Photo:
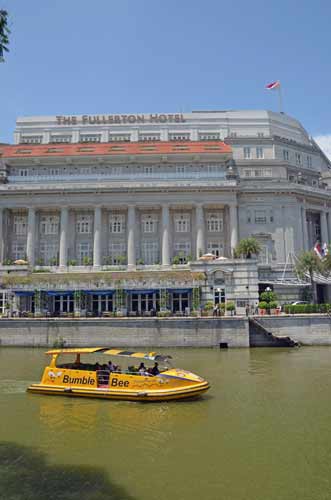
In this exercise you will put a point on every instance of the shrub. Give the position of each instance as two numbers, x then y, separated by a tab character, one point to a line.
230	306
209	305
263	304
273	305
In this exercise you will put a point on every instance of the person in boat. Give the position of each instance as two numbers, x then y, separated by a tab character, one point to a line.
142	369
155	370
111	366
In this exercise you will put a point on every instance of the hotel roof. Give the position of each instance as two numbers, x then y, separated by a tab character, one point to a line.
114	148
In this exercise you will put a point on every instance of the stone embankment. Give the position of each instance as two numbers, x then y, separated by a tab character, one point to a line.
311	329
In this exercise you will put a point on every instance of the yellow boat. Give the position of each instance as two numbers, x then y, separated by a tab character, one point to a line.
108	381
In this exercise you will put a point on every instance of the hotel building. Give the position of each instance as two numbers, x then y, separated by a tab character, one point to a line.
110	212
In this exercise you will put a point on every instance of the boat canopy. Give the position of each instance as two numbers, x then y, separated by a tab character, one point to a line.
77	350
152	356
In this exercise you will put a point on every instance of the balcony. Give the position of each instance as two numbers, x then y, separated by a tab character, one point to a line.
120	177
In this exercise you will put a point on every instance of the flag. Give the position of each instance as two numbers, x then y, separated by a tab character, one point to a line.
273	85
325	249
318	250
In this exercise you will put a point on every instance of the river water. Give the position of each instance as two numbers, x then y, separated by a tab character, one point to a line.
261	433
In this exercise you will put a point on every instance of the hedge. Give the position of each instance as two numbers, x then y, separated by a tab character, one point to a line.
306	308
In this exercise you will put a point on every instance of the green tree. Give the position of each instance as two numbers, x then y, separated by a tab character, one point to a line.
309	263
247	247
4	32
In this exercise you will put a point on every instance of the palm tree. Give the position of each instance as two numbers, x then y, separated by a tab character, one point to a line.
247	247
4	32
309	263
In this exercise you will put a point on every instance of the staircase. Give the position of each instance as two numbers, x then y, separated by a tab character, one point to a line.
259	336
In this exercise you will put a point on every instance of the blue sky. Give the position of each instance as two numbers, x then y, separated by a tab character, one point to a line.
107	56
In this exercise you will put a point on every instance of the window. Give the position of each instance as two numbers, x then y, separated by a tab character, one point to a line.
90	138
149	223
260	134
249	216
263	257
286	155
23	172
84	224
180	169
48	252
258	172
84	251
149	137
212	136
20	224
182	223
117	253
260	217
117	223
309	161
182	250
213	168
150	252
259	153
85	170
60	138
49	224
247	153
248	173
32	139
233	134
54	171
116	170
148	170
18	251
215	247
298	159
179	137
215	223
119	137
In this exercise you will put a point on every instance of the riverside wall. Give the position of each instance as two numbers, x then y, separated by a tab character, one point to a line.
125	332
166	332
307	329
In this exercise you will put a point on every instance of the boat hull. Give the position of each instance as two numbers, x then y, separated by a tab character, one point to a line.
107	393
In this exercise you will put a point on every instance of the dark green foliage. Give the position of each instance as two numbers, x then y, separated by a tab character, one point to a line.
4	32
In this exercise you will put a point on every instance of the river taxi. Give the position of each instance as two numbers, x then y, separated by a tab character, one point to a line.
96	380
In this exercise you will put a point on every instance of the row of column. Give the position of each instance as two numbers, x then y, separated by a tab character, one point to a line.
131	225
325	221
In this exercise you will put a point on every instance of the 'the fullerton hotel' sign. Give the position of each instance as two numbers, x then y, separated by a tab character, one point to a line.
118	119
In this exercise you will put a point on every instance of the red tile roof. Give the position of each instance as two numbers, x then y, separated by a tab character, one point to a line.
118	148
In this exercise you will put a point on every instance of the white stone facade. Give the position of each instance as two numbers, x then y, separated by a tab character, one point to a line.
157	190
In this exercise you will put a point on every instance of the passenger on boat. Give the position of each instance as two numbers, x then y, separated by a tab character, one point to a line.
111	366
155	370
142	369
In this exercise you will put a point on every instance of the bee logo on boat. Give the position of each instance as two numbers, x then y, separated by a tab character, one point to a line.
54	375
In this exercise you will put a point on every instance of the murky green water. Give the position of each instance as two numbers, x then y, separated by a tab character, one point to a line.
263	432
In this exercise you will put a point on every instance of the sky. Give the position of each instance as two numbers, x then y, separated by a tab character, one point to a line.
151	56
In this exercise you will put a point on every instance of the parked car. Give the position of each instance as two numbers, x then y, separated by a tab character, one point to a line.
299	302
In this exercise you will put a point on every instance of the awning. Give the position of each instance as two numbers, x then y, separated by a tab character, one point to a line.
179	290
24	293
64	293
147	291
98	292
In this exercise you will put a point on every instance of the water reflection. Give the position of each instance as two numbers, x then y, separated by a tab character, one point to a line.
37	480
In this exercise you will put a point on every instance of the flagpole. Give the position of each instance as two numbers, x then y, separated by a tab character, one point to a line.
280	98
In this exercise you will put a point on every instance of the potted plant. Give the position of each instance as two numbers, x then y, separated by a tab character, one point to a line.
87	261
208	308
230	306
262	307
273	307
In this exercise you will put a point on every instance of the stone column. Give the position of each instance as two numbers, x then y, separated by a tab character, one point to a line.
304	229
63	260
131	236
329	226
233	223
31	238
97	237
2	256
324	228
200	226
165	236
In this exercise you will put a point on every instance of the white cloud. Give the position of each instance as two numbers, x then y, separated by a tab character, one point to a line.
324	142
